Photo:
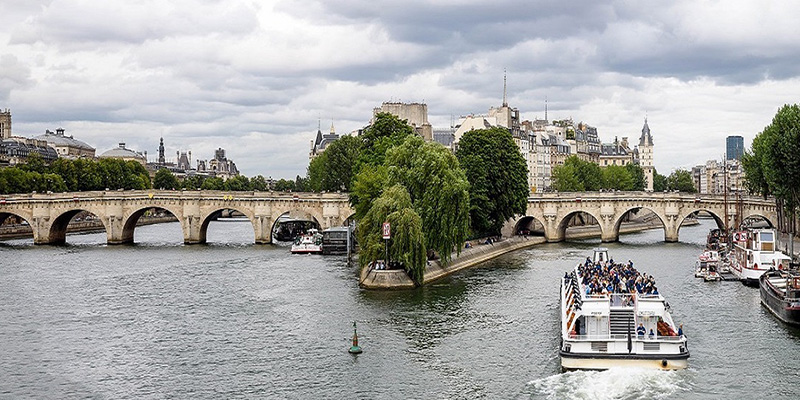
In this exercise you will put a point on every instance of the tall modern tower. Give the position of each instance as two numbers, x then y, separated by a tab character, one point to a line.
646	155
734	147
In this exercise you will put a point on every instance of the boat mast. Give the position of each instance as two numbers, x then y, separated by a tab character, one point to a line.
725	192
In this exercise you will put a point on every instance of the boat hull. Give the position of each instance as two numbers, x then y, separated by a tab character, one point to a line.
573	361
307	250
785	311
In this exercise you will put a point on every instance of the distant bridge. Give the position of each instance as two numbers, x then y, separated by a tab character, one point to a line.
554	210
49	214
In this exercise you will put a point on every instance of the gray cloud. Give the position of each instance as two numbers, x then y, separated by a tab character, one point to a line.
255	78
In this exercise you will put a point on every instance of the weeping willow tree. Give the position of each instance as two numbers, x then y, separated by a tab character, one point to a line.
439	191
407	245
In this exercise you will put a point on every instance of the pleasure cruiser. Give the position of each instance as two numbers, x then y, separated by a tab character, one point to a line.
611	315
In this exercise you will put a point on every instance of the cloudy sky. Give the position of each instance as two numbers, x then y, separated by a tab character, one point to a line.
257	77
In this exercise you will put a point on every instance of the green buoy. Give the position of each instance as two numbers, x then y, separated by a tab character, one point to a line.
355	348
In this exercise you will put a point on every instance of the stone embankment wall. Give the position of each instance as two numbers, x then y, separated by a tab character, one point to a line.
478	253
24	231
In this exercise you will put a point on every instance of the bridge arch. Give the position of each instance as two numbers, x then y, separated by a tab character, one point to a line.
298	213
216	212
561	227
529	225
58	228
131	218
757	216
613	235
5	214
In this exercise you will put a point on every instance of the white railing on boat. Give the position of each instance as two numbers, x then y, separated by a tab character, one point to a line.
618	338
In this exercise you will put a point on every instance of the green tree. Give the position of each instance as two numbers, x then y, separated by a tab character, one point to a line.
588	175
34	163
259	183
616	177
238	183
284	184
335	168
301	184
498	178
317	173
164	179
639	182
214	183
192	182
68	172
407	244
773	165
681	180
368	185
386	131
565	179
14	180
439	191
659	182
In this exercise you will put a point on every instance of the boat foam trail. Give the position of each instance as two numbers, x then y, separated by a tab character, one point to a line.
614	383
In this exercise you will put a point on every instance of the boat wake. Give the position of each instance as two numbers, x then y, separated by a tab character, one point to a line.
615	383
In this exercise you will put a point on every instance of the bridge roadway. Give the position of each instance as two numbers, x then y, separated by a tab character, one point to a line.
49	214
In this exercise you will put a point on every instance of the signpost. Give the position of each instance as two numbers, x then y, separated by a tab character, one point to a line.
387	234
387	231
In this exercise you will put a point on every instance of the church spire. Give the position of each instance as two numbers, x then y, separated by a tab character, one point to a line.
646	139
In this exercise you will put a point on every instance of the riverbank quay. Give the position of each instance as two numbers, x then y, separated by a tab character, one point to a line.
397	279
25	231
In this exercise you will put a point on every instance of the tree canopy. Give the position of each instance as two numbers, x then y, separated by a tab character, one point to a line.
164	179
435	216
74	175
772	166
681	180
498	178
335	168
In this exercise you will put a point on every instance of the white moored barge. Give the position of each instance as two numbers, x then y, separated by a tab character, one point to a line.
613	316
754	253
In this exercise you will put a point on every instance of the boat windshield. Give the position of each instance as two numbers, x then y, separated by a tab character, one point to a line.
766	236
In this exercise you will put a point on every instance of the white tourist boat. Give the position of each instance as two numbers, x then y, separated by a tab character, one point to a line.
601	329
754	253
707	265
308	243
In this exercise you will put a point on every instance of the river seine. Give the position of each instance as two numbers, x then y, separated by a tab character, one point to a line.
235	320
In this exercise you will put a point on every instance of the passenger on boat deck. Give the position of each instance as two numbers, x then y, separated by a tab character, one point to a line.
640	330
651	335
607	277
680	330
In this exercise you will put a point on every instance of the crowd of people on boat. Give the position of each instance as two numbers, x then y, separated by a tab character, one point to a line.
607	277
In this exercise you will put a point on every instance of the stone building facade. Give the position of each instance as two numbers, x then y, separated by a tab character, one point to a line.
416	114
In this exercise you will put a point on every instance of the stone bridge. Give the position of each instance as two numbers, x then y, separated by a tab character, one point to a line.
49	214
554	210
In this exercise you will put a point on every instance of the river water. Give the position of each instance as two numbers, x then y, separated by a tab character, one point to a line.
235	320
